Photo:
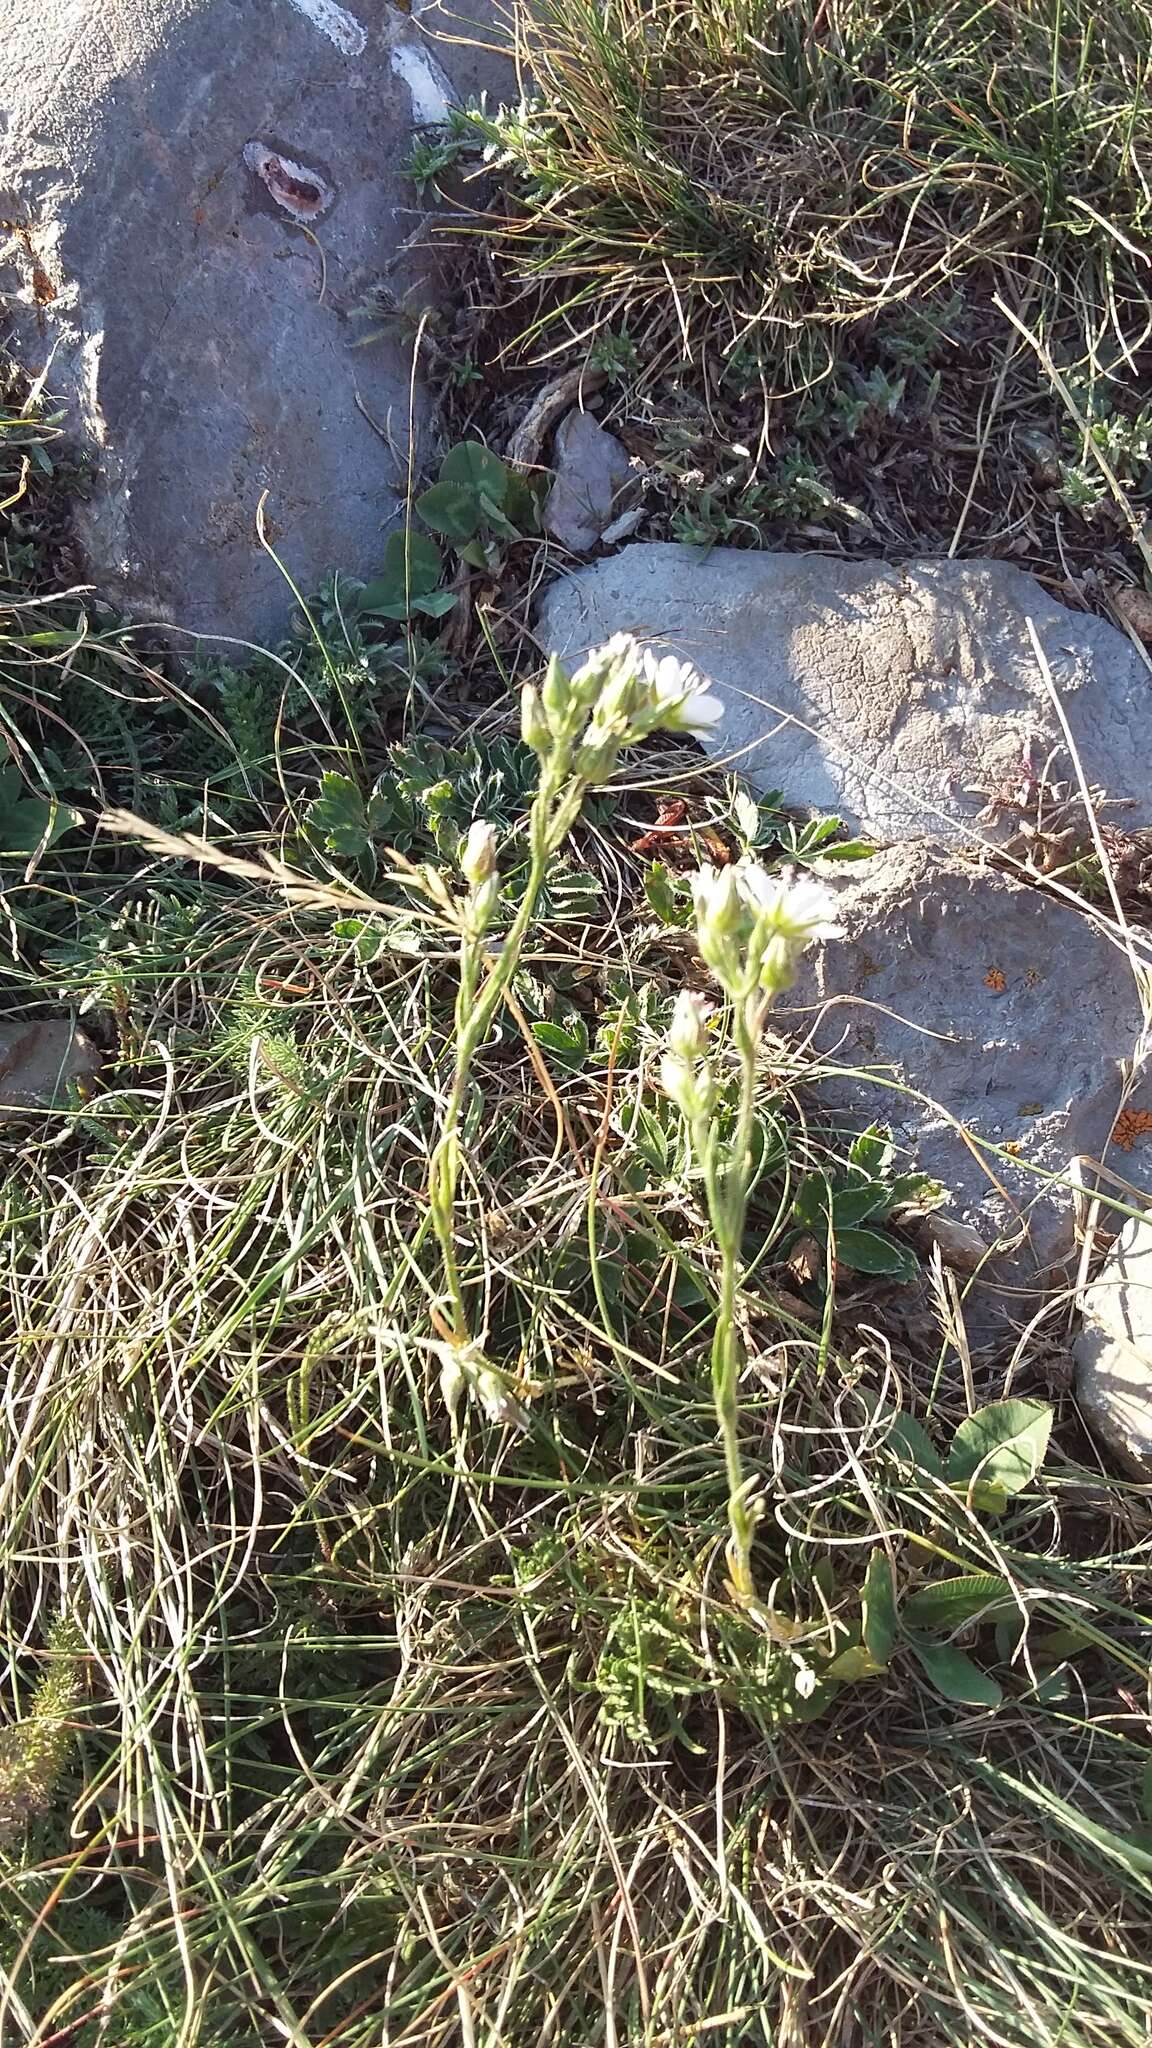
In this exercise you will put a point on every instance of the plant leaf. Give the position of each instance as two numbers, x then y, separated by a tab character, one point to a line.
567	1043
878	1608
867	1252
949	1602
1001	1448
956	1676
856	1204
451	509
472	464
338	815
908	1439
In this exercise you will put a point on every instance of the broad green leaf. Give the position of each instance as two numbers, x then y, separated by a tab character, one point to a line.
908	1439
856	1204
668	900
956	1676
472	464
915	1187
878	1608
451	509
649	1137
521	504
813	1199
867	1252
495	520
1001	1448
436	605
27	822
945	1605
412	568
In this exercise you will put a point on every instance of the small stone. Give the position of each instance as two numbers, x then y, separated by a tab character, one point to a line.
908	701
968	1011
1113	1352
1114	1396
592	469
961	1248
38	1063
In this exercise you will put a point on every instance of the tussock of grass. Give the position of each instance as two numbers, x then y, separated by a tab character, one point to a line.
757	176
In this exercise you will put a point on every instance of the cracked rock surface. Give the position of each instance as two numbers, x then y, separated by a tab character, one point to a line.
902	698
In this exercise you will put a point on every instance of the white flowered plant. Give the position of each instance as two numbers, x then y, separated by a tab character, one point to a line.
751	928
578	724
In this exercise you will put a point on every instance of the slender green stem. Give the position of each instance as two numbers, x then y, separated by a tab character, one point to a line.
553	813
728	1181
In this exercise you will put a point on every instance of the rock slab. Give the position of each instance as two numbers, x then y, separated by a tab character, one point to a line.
985	1022
211	217
901	698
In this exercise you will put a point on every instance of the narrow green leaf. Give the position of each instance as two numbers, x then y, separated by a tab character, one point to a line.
878	1608
945	1605
956	1676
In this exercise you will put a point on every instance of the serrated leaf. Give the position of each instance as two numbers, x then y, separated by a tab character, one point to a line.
854	1205
338	815
872	1152
472	464
451	509
567	1043
865	1251
950	1602
878	1608
1001	1448
956	1676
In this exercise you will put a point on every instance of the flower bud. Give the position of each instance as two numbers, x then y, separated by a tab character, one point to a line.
478	856
688	1031
535	730
556	694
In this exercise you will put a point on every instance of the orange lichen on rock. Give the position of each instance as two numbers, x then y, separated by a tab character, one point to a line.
1130	1125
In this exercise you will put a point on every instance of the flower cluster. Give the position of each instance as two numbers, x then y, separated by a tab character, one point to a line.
579	722
751	926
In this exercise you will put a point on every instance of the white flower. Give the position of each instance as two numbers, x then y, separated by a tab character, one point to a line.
751	925
794	907
677	694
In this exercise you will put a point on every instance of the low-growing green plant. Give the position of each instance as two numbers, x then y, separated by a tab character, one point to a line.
845	1209
477	503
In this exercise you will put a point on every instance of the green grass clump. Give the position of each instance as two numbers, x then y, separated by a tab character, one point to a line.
747	180
336	1713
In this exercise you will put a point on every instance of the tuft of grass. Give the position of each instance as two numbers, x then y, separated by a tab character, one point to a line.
746	181
395	1732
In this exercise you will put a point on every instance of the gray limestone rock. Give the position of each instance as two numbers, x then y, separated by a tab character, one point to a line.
1114	1350
592	470
985	1022
39	1061
900	698
212	215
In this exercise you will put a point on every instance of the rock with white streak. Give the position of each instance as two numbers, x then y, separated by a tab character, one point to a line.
212	258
